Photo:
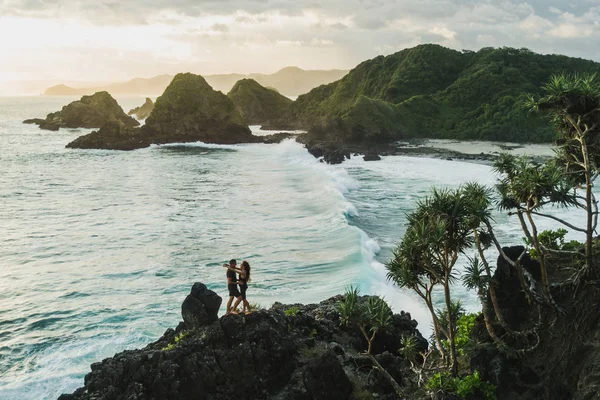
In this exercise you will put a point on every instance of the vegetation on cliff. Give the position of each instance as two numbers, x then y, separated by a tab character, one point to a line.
433	92
257	104
518	319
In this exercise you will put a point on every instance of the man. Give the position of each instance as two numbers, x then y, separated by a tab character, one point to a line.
232	286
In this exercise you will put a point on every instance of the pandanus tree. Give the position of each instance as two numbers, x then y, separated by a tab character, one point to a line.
526	189
573	104
438	232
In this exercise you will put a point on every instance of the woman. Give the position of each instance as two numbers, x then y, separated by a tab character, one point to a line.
243	280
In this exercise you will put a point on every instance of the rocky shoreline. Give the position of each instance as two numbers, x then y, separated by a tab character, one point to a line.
305	352
287	352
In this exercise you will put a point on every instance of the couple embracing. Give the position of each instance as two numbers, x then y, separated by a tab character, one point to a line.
235	277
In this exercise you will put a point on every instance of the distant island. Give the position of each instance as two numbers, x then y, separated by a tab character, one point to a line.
289	81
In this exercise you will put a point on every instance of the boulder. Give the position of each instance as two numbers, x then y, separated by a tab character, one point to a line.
90	112
371	157
143	111
200	307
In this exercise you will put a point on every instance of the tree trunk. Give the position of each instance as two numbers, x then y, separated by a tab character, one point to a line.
387	376
453	362
541	257
588	203
436	329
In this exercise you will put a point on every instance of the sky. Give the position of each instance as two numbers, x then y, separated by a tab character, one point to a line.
116	40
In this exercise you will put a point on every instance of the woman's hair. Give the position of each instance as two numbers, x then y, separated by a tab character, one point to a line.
246	267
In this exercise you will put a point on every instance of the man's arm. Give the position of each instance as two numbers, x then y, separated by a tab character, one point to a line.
239	271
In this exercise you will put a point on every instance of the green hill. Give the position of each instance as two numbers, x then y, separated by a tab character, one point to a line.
257	104
433	92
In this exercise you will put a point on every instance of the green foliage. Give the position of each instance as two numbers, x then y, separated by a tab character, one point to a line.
409	347
312	333
292	311
349	308
256	306
464	326
176	341
371	316
457	311
555	240
434	91
463	387
528	185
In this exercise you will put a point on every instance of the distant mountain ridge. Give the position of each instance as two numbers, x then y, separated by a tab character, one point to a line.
289	81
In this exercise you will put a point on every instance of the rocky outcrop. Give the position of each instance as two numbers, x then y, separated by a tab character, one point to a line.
143	111
288	352
90	112
188	111
566	362
112	136
256	104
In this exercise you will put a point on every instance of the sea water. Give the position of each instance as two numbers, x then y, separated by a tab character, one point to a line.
98	249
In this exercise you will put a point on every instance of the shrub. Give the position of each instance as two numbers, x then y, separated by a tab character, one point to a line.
463	387
291	311
178	338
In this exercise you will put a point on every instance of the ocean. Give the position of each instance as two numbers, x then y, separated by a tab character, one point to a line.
98	249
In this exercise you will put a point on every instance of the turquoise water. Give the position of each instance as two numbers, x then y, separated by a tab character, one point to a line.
98	248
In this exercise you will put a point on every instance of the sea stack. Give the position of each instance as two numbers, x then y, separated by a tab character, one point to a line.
143	111
188	111
90	112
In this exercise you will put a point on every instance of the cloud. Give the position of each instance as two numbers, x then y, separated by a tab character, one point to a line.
127	38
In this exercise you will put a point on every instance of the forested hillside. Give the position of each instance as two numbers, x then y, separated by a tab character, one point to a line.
434	92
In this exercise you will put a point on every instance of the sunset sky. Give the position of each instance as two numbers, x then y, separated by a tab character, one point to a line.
113	40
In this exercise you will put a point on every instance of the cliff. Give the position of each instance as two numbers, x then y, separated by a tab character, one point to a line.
257	104
286	352
562	361
90	112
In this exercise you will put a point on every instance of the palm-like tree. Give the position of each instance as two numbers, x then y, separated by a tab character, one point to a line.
439	230
525	189
573	103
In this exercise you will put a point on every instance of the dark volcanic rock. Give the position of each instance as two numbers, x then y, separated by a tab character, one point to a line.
277	137
36	121
90	112
271	355
257	104
112	136
566	362
200	307
143	111
188	111
371	157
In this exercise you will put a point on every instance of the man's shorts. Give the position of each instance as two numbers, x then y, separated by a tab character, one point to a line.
233	291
